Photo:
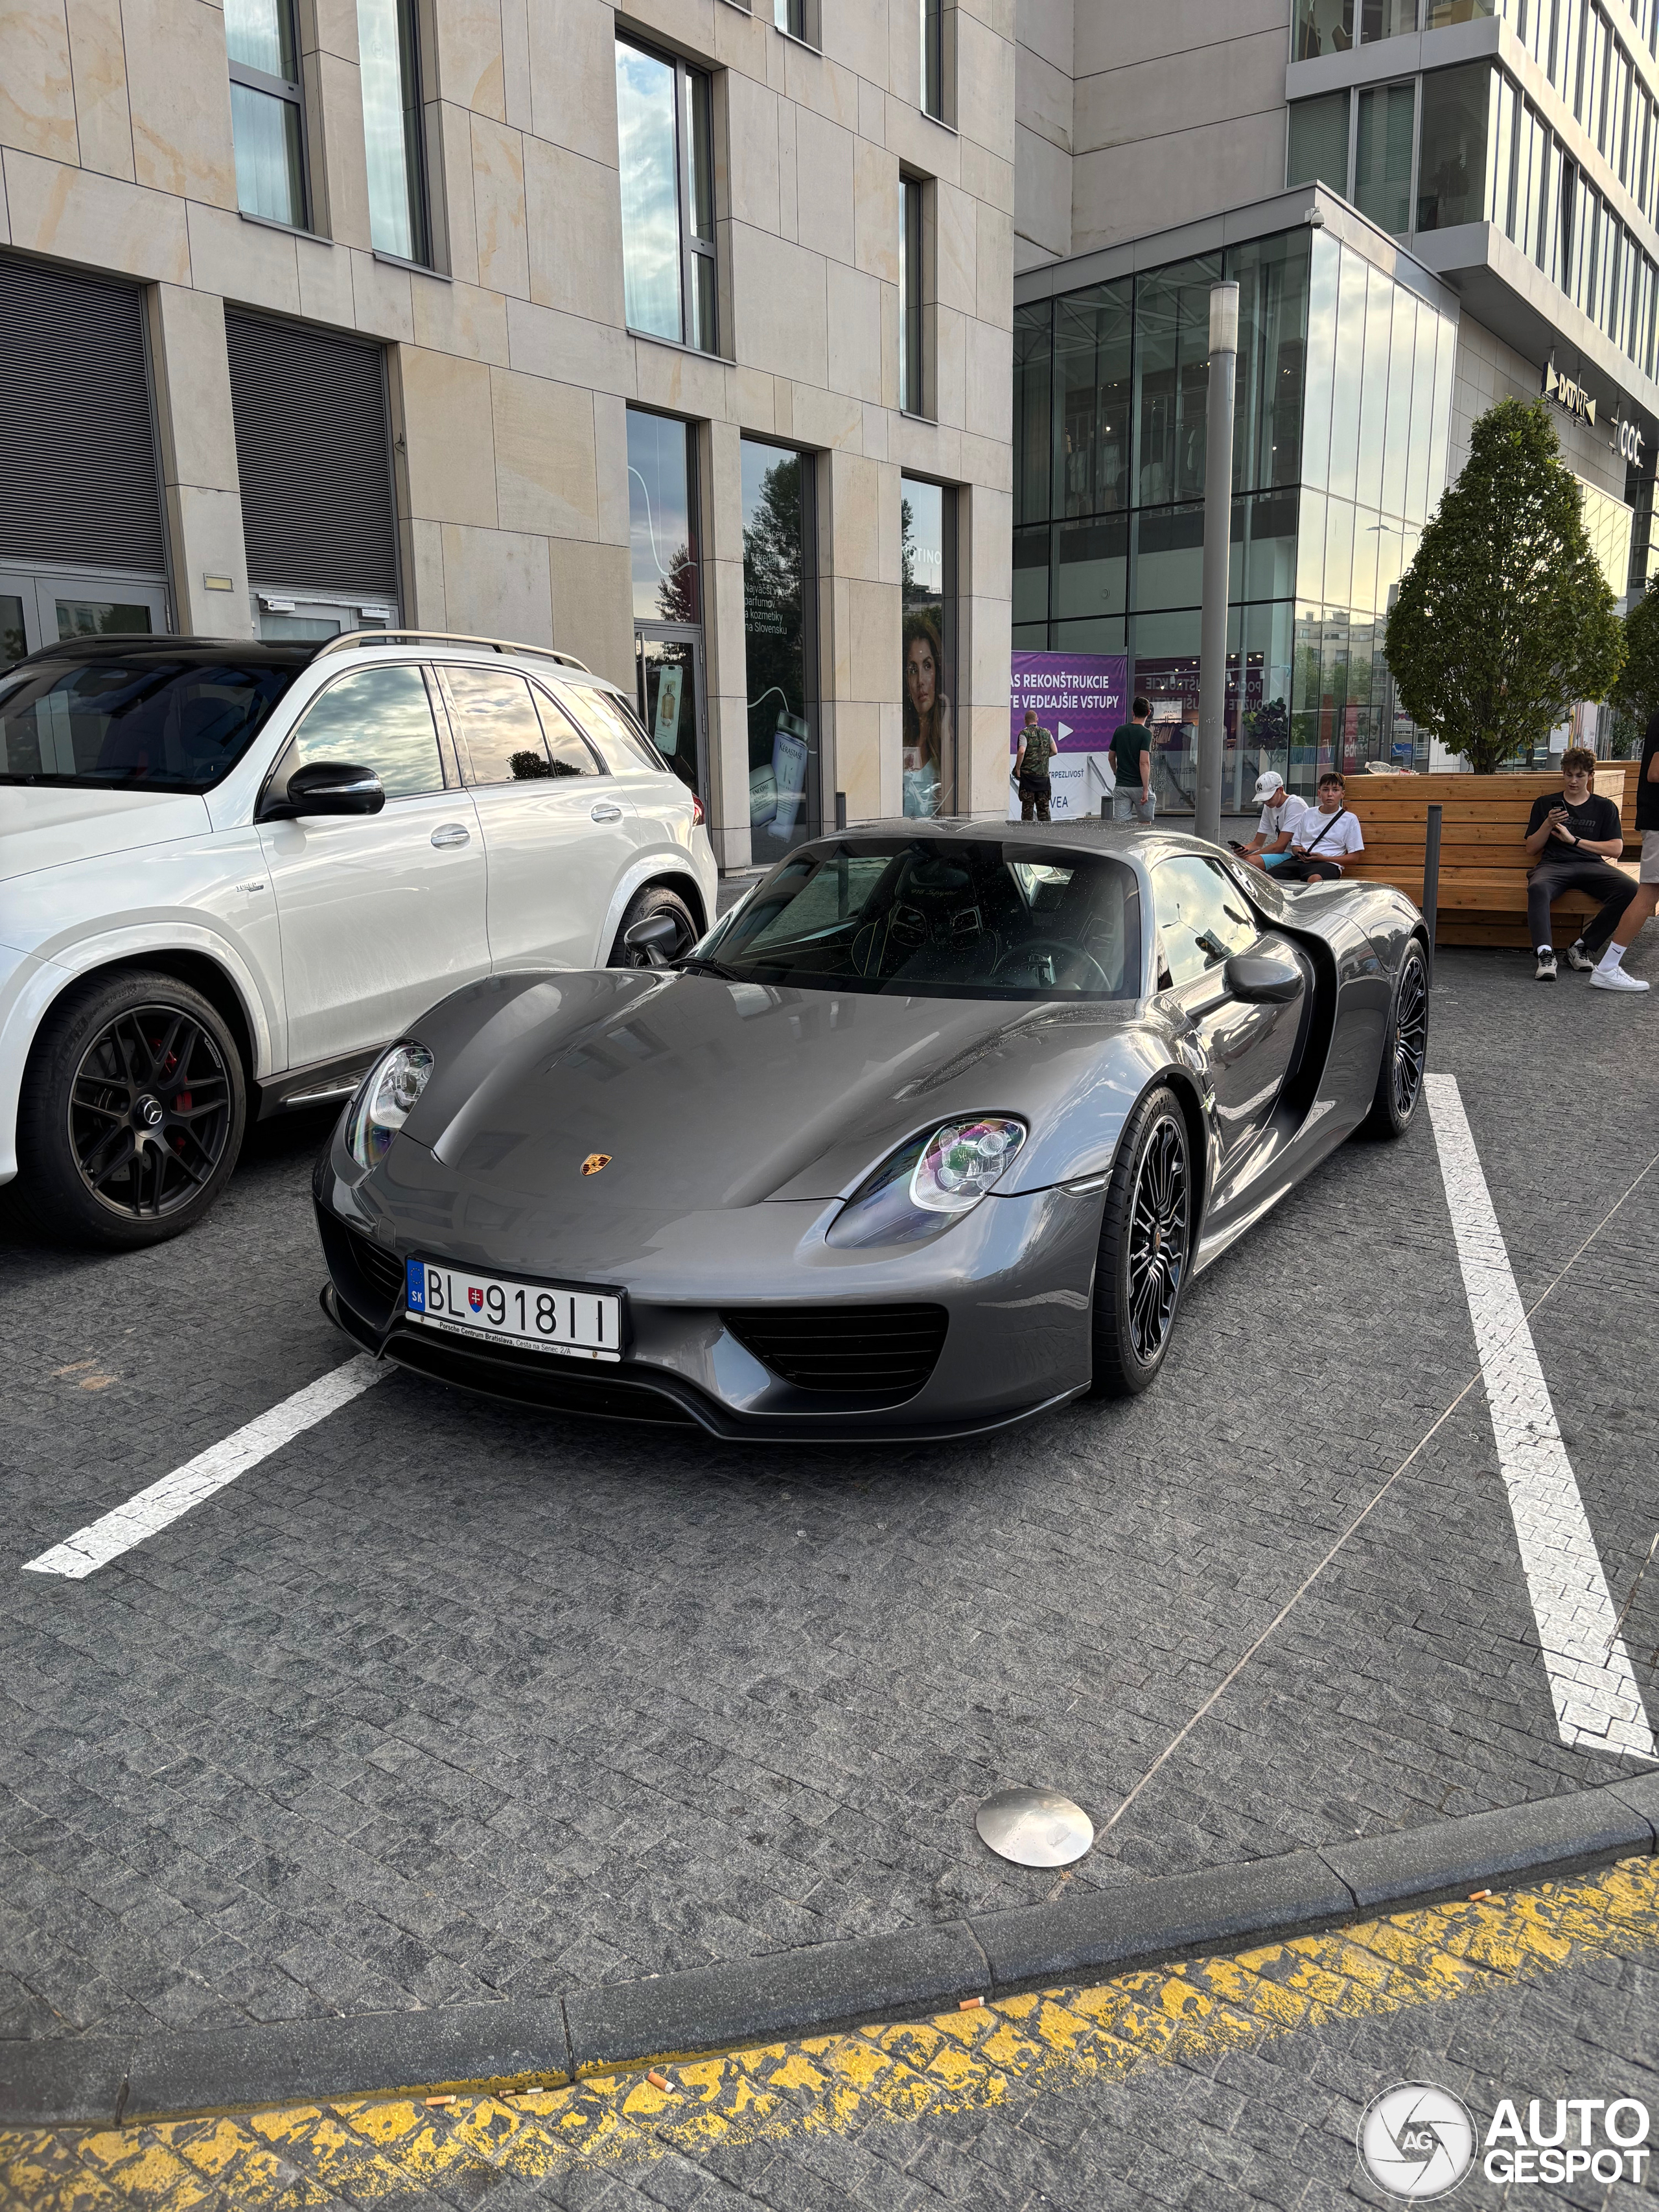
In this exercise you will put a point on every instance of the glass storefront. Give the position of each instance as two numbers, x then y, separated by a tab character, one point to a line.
779	649
928	676
1339	440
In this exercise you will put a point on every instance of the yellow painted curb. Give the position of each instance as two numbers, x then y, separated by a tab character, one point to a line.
372	2150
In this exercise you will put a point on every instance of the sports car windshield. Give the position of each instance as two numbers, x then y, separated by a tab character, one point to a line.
150	723
970	918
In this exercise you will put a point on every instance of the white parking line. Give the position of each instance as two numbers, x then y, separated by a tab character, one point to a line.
1598	1706
154	1509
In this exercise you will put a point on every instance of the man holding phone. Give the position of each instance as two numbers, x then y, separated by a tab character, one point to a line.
1572	840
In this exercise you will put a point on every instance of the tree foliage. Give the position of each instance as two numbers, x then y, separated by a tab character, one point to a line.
1636	694
1505	619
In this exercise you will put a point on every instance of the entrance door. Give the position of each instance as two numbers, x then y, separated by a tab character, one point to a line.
39	608
669	665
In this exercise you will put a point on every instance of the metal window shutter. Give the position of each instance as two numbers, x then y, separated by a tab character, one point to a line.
78	480
313	452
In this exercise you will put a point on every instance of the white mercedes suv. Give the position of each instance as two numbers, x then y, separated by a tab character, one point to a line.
231	873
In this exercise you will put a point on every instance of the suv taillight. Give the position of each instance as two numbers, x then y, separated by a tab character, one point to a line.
696	811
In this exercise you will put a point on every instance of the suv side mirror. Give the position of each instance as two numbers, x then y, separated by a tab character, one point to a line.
1262	979
325	787
655	937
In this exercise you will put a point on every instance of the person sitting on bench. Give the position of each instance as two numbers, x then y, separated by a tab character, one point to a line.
1571	838
1281	810
1323	836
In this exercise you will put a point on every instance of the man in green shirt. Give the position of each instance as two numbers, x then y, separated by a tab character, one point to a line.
1037	748
1132	764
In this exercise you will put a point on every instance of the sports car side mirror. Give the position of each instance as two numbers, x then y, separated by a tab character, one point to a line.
654	937
1260	979
324	788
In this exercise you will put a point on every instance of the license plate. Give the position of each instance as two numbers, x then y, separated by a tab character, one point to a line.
579	1324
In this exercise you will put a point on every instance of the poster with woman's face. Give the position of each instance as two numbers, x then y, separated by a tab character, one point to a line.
929	760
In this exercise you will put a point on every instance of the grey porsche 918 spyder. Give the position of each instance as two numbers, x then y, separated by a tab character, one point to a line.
927	1135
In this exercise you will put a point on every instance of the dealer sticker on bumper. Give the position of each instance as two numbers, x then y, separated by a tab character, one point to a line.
580	1324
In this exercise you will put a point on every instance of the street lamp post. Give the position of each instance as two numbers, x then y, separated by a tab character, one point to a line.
1217	533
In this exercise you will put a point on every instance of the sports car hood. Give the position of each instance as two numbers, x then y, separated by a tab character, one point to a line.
701	1095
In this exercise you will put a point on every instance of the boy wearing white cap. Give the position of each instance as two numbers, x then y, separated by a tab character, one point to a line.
1280	812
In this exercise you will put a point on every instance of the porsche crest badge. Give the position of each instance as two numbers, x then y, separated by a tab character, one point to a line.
595	1161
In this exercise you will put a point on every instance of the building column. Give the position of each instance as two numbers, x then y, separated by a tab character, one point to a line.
206	557
727	671
985	523
858	547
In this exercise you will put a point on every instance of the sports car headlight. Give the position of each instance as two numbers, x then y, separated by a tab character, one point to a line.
961	1161
385	1101
919	1188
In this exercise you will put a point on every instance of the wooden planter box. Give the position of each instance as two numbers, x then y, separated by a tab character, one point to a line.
1483	857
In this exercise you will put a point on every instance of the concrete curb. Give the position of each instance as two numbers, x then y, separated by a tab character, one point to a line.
99	2081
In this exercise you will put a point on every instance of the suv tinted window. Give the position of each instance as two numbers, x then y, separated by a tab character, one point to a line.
612	728
378	718
154	723
501	736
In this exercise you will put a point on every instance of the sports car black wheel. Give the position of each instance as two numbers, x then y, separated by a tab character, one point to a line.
1145	1247
655	899
1405	1048
132	1112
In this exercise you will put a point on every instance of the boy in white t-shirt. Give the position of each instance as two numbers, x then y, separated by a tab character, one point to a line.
1324	836
1280	812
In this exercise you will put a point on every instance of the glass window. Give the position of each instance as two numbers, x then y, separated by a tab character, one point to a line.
1374	391
1272	338
1452	163
1310	546
14	643
1169	557
265	114
1033	388
1339	552
664	142
500	734
1093	332
912	379
1172	315
777	636
662	520
1438	13
933	58
1500	167
1323	285
1092	569
378	718
1382	156
1348	382
390	60
971	918
1031	577
1319	143
1203	918
1386	19
566	753
1396	439
1322	27
163	723
621	740
1272	571
927	674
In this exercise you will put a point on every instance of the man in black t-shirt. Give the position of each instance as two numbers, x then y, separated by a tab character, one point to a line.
1572	838
1609	970
1132	764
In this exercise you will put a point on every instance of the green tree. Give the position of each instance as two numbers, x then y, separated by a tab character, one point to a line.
1636	695
1505	617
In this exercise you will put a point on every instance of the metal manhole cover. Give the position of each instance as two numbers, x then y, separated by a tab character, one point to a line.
1034	1827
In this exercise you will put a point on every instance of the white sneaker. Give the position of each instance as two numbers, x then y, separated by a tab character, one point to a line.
1578	958
1614	979
1545	970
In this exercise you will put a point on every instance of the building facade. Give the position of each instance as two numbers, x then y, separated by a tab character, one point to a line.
678	340
1459	203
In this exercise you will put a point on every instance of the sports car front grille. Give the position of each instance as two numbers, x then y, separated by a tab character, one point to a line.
382	1270
538	1379
864	1350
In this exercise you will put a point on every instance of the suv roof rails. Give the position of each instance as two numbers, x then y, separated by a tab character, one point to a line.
353	637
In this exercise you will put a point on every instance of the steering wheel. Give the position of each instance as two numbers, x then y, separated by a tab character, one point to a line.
1027	954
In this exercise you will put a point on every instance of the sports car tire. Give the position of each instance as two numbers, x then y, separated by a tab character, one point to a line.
1145	1247
655	898
133	1108
1405	1048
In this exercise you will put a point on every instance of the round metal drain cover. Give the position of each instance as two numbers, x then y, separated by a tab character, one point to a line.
1034	1827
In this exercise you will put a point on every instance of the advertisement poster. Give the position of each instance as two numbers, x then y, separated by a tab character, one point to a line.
1079	698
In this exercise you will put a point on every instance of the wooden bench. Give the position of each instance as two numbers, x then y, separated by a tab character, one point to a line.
1483	854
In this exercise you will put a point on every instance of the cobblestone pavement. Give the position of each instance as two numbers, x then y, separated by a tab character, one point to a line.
445	1700
1227	2081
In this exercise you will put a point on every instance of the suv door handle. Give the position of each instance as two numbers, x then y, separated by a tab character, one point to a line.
605	810
452	833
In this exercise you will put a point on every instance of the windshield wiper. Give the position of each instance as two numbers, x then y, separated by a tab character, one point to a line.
693	960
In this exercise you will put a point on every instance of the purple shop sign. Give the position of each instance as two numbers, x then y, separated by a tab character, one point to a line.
1080	698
